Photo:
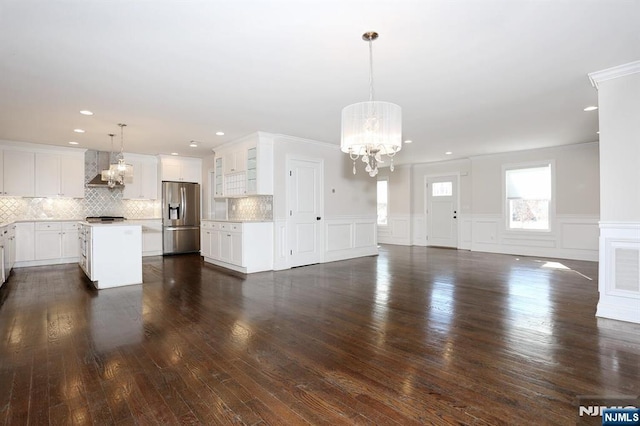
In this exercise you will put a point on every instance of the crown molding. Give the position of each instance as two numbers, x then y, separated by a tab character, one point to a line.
610	73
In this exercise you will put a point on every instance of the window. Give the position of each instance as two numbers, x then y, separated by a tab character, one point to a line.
442	189
382	202
528	192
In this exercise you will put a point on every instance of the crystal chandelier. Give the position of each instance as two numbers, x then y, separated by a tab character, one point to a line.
120	172
371	129
109	175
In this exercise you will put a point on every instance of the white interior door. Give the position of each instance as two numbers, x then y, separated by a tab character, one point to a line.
442	211
305	224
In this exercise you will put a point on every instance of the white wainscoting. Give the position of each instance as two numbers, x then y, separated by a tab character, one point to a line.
397	231
465	231
418	230
619	273
572	237
347	237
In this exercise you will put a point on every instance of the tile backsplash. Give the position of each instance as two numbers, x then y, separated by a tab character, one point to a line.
258	207
96	202
12	209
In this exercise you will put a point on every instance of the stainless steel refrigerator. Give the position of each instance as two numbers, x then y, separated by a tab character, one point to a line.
180	217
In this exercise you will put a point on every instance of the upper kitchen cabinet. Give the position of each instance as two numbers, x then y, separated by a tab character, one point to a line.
59	174
180	169
218	189
17	178
255	174
260	166
235	160
144	185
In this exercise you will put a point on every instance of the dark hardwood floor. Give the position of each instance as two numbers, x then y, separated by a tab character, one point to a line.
414	336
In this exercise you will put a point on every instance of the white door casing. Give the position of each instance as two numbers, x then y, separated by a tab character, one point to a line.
305	224
441	193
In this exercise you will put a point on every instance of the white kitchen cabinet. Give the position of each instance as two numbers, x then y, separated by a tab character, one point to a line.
56	241
151	236
11	244
7	251
245	247
225	248
69	241
180	169
48	237
144	185
235	160
59	175
218	183
4	269
237	249
260	166
25	241
205	241
254	176
18	177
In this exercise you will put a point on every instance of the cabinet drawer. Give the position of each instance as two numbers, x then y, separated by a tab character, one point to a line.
70	226
236	227
48	226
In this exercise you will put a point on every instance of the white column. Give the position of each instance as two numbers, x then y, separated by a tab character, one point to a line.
619	115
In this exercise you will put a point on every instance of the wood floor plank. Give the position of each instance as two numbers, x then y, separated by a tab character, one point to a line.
413	336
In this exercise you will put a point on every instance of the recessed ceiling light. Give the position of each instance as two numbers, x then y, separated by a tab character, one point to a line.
219	133
448	153
86	112
193	144
78	130
591	108
174	153
408	141
73	143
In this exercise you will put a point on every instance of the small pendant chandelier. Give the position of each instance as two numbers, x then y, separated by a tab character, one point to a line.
371	129
124	171
120	172
109	175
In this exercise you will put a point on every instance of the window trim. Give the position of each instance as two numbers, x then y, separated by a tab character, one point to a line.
552	201
385	179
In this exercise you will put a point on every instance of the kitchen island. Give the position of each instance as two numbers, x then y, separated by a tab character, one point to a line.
111	253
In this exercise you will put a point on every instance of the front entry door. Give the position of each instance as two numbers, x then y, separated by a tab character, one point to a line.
305	224
442	211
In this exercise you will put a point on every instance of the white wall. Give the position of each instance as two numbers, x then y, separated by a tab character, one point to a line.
350	209
619	101
481	217
574	230
619	272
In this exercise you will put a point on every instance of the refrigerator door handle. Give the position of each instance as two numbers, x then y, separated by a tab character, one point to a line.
180	228
183	200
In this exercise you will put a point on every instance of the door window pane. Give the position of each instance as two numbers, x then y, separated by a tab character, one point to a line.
442	189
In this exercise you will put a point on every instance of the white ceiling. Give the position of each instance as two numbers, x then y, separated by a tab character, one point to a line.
472	76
